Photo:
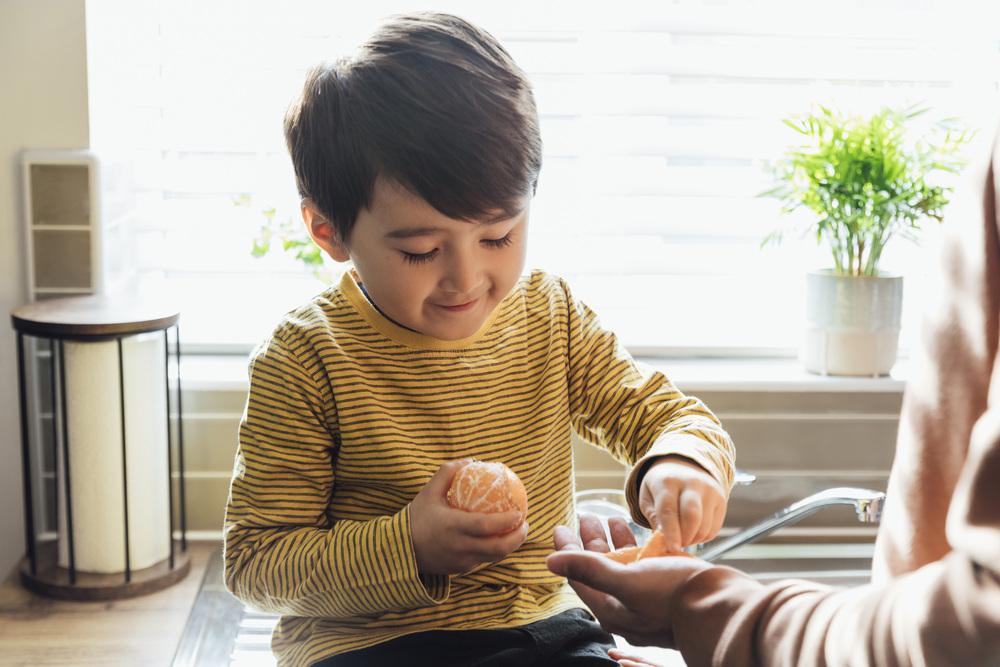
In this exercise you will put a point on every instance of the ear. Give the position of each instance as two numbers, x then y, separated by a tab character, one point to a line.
323	232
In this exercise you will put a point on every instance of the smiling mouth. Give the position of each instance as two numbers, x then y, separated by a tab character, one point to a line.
459	307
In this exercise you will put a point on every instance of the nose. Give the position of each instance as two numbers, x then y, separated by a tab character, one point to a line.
461	274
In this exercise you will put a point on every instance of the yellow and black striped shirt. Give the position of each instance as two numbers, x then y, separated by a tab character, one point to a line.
349	416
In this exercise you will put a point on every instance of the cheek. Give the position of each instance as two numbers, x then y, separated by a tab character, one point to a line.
513	265
408	287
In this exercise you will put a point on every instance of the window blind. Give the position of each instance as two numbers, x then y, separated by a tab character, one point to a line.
657	118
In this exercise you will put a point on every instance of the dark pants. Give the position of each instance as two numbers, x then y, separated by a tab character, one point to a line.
570	638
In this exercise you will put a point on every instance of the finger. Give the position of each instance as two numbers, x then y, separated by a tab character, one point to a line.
633	659
493	549
600	604
625	662
647	507
566	539
477	524
441	481
670	522
613	616
710	523
629	658
592	533
690	519
719	519
704	529
511	541
591	569
704	535
626	654
604	607
621	534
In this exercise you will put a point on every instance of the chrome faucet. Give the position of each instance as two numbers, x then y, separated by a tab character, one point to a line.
607	503
867	504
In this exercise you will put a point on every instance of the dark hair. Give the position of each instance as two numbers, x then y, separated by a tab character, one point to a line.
429	101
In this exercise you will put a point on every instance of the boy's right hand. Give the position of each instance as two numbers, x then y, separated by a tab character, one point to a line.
447	540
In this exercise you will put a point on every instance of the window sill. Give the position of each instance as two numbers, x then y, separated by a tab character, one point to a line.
202	372
774	374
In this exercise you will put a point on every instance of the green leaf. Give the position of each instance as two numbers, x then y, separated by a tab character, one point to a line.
290	236
862	178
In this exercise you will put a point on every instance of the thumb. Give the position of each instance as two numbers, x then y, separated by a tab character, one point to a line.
441	480
588	568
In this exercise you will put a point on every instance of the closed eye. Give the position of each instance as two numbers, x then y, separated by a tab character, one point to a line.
498	243
419	258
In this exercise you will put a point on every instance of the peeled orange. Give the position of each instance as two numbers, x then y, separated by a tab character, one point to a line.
481	486
655	546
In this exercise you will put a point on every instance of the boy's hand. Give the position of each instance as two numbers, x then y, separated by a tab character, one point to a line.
682	500
452	541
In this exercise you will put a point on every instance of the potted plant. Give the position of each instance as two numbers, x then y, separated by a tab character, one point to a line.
864	182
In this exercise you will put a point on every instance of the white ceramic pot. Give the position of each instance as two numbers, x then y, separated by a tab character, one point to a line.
852	323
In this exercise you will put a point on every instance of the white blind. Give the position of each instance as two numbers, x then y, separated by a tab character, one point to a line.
657	119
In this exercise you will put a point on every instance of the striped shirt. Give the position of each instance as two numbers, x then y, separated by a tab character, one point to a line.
349	415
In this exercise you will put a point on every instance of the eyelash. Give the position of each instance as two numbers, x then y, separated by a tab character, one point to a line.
428	256
498	243
419	259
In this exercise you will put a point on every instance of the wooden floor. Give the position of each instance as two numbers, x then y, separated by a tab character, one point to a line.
137	632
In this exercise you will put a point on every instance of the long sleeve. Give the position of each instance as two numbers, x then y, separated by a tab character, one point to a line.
944	399
635	413
946	612
283	553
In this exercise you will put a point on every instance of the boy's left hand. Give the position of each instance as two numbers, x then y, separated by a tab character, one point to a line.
682	500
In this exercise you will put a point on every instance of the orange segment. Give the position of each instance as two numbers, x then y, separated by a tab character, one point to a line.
625	556
490	487
654	547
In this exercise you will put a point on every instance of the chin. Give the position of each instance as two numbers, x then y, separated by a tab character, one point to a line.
453	334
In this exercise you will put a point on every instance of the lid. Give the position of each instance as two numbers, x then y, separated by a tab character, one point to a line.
96	316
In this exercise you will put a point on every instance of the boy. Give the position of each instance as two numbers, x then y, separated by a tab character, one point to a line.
416	160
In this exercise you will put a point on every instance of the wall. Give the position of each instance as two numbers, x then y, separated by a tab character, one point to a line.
43	104
796	443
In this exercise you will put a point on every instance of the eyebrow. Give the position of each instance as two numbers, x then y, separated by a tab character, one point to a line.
410	232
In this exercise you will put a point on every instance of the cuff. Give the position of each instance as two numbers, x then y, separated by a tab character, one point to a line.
411	589
691	447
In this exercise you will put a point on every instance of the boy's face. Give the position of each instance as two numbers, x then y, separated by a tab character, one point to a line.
424	270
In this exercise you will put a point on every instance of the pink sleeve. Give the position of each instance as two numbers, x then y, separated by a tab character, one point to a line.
940	539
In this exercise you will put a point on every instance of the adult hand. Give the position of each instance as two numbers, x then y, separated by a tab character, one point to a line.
682	500
633	600
628	658
447	540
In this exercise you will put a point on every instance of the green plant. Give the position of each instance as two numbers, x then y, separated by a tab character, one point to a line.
864	181
292	238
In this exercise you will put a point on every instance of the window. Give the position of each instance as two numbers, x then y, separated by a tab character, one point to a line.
656	117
